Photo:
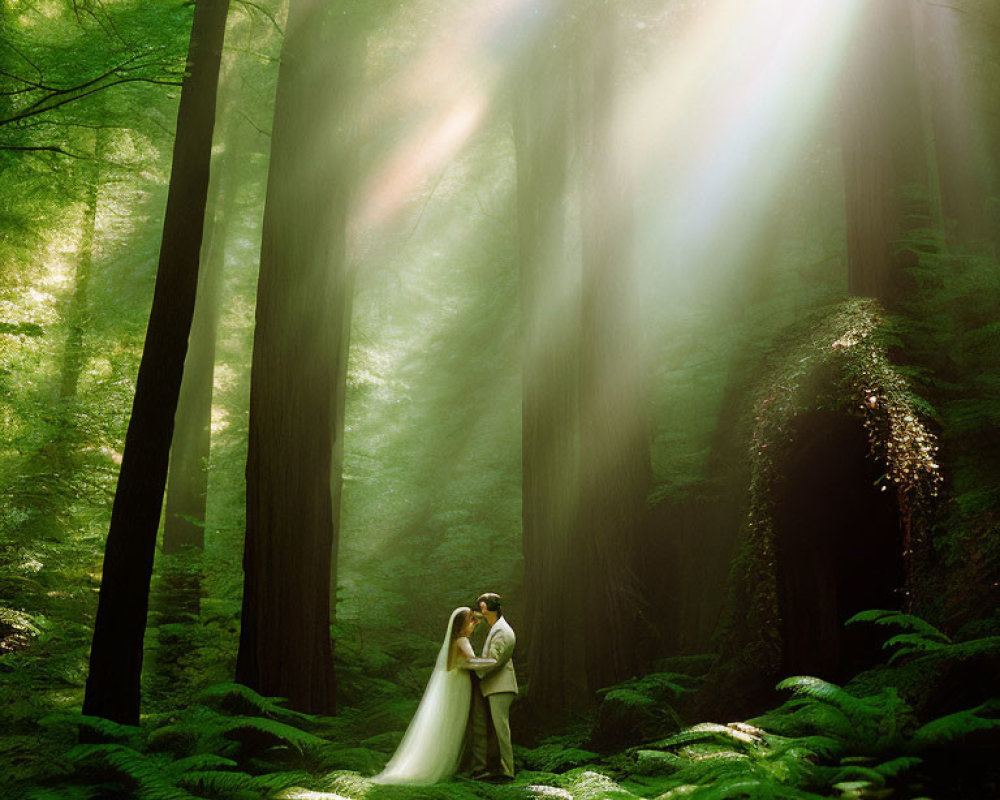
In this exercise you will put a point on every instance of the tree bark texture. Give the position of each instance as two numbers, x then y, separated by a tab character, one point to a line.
116	653
614	429
550	330
297	378
187	477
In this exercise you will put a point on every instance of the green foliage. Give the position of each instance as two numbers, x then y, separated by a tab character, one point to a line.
923	638
106	729
553	756
953	727
206	749
640	708
237	698
869	726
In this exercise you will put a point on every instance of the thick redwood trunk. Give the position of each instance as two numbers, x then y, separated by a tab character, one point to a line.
297	379
550	331
614	430
116	653
883	152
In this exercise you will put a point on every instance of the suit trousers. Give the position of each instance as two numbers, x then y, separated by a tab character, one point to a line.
500	712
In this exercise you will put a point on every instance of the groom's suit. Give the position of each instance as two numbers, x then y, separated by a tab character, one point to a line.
498	685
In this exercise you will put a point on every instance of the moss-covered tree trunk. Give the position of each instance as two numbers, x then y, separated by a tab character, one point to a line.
885	172
116	652
297	378
550	330
614	430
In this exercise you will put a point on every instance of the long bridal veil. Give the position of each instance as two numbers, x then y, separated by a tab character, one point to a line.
432	745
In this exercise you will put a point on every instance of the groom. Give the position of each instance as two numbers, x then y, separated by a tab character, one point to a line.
498	686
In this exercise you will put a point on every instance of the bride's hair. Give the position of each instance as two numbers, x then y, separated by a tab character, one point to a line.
458	624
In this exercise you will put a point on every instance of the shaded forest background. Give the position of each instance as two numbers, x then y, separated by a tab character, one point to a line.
676	326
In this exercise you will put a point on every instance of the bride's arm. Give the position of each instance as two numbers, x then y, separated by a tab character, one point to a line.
466	653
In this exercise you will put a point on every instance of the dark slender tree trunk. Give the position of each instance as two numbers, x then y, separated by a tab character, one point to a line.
885	172
297	378
550	332
187	477
614	429
113	683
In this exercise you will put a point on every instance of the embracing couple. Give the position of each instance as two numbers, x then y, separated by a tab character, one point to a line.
432	746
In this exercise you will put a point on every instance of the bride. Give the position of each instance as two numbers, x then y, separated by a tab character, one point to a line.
432	745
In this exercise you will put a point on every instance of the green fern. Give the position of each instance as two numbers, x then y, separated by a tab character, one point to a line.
145	776
239	699
910	622
921	638
872	725
553	757
829	693
216	783
952	727
105	728
272	732
650	689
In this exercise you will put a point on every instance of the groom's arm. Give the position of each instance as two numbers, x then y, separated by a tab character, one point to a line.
502	649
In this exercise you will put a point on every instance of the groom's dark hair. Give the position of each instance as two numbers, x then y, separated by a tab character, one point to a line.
492	602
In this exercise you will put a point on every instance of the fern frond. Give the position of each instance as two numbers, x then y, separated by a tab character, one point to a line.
214	782
804	716
629	697
201	762
856	772
656	762
753	787
818	689
952	727
705	731
823	746
105	727
909	622
277	732
275	781
237	698
898	766
151	781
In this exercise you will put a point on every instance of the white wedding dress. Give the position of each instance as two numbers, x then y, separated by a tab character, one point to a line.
432	745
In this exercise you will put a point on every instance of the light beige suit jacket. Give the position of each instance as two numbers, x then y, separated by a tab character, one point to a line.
499	645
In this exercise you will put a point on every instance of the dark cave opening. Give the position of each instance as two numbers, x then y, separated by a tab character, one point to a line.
838	547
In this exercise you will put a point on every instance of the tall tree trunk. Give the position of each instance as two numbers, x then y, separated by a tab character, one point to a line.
614	430
885	173
550	332
297	377
961	163
113	683
187	477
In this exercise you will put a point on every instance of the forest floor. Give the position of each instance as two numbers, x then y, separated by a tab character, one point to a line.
885	734
925	724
